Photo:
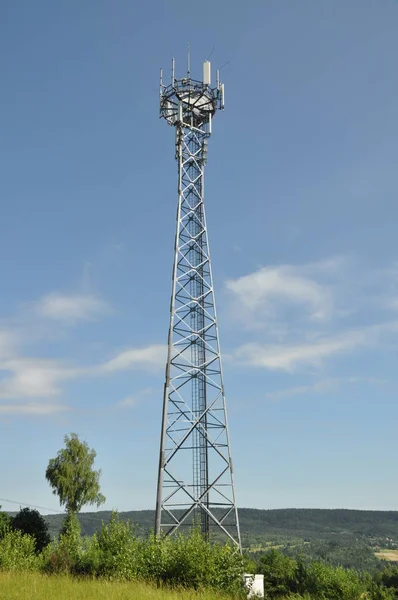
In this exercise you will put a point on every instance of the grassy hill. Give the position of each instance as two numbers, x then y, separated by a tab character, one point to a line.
259	526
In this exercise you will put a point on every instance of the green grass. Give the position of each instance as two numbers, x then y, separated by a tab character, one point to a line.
32	586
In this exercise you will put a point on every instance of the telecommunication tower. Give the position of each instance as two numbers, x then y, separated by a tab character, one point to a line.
195	480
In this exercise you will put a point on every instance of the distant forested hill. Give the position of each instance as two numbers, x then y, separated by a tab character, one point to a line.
261	525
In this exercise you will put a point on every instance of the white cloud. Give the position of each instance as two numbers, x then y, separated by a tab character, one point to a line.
312	312
128	402
134	399
33	377
42	378
290	357
319	387
31	409
323	386
8	342
27	377
62	307
148	357
299	304
261	296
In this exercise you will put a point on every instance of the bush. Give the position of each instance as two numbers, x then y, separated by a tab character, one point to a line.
63	556
389	577
115	552
324	582
379	592
280	574
285	577
17	552
187	561
190	561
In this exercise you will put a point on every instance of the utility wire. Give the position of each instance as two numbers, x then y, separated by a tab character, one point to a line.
58	512
29	505
224	65
85	516
211	52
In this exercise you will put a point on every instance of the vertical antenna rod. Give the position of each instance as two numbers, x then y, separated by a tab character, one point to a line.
195	477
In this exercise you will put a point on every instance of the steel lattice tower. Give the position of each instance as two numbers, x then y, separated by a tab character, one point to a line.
195	481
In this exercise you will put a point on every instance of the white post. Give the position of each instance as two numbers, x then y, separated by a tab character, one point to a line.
254	585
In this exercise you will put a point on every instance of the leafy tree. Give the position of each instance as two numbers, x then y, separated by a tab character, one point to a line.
4	523
72	477
389	577
31	522
280	574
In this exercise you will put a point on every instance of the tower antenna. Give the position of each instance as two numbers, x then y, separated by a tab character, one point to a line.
195	477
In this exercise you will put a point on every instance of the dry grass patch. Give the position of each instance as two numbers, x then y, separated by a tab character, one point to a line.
391	555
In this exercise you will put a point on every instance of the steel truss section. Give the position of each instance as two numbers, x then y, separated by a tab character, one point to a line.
195	481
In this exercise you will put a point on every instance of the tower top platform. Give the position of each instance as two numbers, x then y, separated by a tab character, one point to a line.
189	100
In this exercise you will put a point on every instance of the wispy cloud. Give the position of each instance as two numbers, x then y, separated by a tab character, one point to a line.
153	356
263	296
32	382
8	343
134	399
323	386
38	409
128	402
295	319
319	387
392	303
290	357
70	308
287	357
34	377
43	378
311	313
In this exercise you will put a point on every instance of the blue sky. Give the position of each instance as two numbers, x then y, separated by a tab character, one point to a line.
301	190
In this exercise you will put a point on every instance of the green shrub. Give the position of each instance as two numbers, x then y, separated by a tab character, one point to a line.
157	557
227	568
190	561
17	552
119	550
389	577
115	552
63	556
379	592
280	574
285	577
324	582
